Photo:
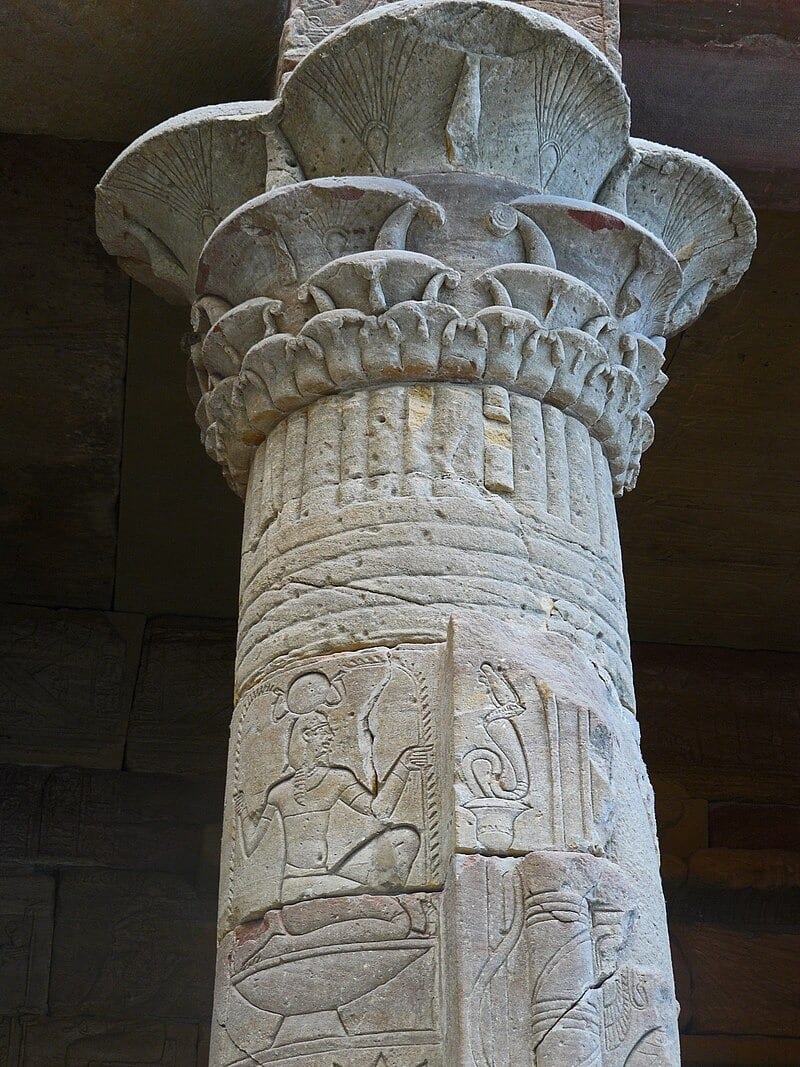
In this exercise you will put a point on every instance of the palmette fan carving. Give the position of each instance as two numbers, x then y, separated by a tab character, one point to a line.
162	198
700	215
508	91
498	228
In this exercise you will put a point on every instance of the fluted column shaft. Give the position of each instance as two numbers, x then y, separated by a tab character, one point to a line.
428	501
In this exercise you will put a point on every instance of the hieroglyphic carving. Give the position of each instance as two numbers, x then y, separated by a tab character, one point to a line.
130	945
93	1042
66	815
534	763
333	788
310	21
351	973
182	705
543	967
598	20
66	681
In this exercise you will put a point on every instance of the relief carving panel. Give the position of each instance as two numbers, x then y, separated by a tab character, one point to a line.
92	1042
349	981
130	945
534	764
544	971
66	683
26	934
332	786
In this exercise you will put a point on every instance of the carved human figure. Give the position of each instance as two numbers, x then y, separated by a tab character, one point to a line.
305	799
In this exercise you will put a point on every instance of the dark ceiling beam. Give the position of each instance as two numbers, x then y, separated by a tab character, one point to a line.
721	78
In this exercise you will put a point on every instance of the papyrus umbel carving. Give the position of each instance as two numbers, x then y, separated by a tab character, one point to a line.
430	290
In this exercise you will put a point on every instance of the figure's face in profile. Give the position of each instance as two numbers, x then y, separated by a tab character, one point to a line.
318	737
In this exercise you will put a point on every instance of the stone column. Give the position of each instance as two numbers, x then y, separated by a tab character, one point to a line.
430	291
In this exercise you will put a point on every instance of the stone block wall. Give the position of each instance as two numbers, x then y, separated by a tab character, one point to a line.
113	722
721	732
113	734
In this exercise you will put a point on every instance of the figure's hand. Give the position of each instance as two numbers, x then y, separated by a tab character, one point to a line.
416	758
239	804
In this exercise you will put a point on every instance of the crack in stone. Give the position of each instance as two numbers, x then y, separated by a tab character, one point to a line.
589	989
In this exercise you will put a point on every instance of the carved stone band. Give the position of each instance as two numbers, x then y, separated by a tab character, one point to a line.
397	300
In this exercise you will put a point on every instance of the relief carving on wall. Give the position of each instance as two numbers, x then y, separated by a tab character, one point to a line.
534	767
551	981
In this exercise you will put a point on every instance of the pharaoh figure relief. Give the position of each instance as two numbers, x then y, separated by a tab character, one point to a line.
431	287
338	760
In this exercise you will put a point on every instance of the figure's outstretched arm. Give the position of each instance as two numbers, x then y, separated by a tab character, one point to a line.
250	836
411	760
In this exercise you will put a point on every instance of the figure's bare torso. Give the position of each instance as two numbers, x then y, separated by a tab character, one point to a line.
305	810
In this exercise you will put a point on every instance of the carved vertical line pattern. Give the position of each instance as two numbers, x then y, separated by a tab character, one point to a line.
584	772
276	443
582	489
322	468
296	428
553	726
385	440
556	460
417	440
466	407
354	448
606	508
530	473
451	425
256	516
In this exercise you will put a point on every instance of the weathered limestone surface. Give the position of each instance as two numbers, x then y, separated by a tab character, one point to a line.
428	330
